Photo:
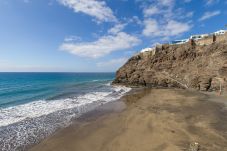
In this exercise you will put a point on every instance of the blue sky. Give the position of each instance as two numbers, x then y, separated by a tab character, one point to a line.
96	35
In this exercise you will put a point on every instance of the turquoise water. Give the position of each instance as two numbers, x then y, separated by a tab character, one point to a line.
35	105
19	88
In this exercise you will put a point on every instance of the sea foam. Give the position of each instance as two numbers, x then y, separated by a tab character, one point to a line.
27	124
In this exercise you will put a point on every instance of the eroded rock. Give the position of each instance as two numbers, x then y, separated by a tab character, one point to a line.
179	66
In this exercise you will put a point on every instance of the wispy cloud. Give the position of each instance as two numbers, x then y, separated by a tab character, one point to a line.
152	10
208	15
190	14
115	39
166	2
103	46
210	2
117	28
72	38
94	8
133	20
172	28
162	19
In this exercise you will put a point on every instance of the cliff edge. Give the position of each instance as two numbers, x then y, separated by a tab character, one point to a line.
201	67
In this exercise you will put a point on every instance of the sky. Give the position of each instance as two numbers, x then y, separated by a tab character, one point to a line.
96	35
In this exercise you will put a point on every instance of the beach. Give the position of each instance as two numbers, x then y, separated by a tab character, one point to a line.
34	106
147	120
113	75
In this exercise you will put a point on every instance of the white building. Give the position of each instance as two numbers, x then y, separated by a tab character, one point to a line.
177	42
152	50
147	49
198	37
220	32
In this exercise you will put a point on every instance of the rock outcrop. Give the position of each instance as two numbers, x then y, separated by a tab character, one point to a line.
182	66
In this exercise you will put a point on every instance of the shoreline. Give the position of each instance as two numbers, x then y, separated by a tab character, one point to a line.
99	112
26	125
147	119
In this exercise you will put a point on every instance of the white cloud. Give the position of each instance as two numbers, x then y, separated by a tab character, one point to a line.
134	20
189	14
163	19
152	10
208	15
116	29
174	28
113	63
94	8
166	2
171	28
103	46
151	28
72	38
210	2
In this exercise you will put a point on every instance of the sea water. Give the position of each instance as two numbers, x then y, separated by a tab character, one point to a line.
34	105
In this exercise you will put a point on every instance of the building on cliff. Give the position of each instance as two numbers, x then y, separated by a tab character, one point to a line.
198	37
200	67
151	50
147	49
220	32
177	42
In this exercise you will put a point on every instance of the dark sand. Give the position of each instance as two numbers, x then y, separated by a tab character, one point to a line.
151	120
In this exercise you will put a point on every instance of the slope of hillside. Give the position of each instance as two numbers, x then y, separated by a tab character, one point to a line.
182	66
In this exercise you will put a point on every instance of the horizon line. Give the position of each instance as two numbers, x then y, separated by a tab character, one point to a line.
54	72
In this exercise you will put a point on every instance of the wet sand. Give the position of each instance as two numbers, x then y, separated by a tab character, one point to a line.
150	120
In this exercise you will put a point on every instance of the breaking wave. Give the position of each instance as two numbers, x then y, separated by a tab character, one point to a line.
27	124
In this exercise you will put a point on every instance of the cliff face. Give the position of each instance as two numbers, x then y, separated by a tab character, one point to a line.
182	66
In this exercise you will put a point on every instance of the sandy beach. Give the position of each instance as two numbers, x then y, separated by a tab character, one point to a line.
149	120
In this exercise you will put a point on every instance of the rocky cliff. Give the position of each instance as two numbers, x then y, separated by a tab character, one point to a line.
181	66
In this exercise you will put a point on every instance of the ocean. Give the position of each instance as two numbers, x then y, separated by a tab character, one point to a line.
35	105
